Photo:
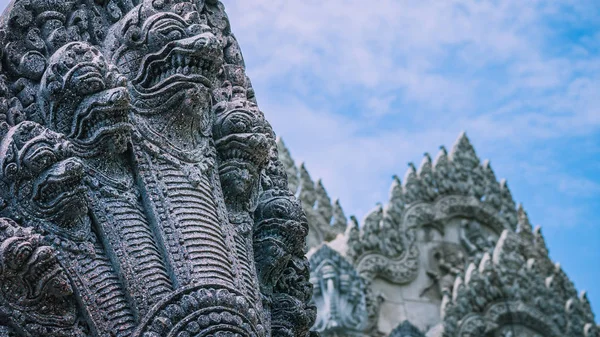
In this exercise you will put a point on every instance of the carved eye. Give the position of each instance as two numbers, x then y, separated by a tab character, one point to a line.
18	253
238	123
165	30
10	170
39	158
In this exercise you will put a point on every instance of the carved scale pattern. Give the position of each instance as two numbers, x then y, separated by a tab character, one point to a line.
128	231
181	206
97	280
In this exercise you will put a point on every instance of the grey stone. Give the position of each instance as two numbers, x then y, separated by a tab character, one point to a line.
140	182
406	329
346	305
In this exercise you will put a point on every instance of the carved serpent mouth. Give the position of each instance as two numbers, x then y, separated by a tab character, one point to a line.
271	230
43	268
194	59
249	147
60	186
101	114
38	268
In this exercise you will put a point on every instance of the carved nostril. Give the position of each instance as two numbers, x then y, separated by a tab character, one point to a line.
73	166
116	96
200	43
205	29
194	29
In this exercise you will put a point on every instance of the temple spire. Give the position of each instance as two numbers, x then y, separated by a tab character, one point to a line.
463	153
524	227
285	158
307	188
339	222
324	207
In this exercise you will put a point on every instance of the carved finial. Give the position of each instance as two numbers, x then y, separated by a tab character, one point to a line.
323	203
412	187
508	207
492	193
353	222
539	241
524	227
352	231
425	163
286	159
425	174
443	173
487	166
307	188
463	153
340	222
372	221
442	158
395	207
353	235
425	166
411	173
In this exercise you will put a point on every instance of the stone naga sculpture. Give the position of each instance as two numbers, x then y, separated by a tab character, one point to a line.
134	154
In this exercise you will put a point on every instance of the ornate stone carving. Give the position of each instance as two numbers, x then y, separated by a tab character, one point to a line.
406	329
142	178
346	305
474	240
384	249
506	294
454	186
35	293
448	262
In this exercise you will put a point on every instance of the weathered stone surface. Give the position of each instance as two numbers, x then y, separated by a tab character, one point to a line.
451	255
406	329
346	304
140	183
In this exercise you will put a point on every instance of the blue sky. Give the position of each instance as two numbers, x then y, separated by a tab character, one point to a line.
359	88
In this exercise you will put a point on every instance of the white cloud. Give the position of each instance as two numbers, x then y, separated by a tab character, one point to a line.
361	88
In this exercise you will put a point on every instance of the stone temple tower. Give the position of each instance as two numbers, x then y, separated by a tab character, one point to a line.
450	254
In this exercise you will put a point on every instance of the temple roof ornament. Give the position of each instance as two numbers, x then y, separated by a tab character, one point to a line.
507	292
455	185
326	218
453	255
